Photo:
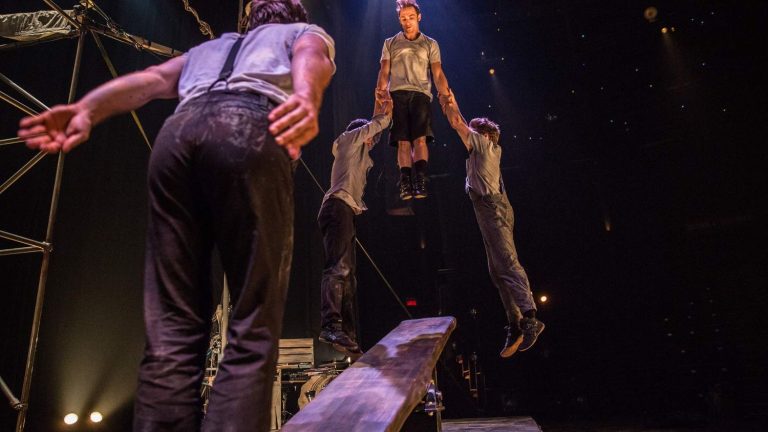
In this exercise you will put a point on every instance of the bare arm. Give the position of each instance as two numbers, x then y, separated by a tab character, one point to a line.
294	123
65	126
451	110
438	76
382	83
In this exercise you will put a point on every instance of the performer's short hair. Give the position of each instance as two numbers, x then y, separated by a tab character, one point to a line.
354	124
402	4
276	12
482	125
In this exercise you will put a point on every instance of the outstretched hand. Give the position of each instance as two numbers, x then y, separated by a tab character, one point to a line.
446	99
62	128
294	123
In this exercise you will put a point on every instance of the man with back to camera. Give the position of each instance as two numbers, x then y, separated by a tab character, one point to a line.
407	59
342	202
220	174
496	220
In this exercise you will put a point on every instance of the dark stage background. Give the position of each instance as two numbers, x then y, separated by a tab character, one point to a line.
635	161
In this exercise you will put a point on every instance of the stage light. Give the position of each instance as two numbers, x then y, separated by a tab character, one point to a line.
492	71
411	302
543	299
651	13
70	419
96	417
664	30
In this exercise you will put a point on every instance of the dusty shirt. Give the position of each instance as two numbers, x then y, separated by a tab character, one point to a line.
263	64
410	62
484	166
352	162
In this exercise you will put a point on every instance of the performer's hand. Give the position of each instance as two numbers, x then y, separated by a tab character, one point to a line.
382	95
383	107
387	107
294	123
62	128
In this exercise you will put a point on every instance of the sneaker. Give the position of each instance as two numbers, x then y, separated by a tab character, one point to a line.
406	188
531	328
514	338
339	341
420	186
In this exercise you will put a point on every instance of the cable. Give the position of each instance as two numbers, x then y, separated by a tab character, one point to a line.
365	251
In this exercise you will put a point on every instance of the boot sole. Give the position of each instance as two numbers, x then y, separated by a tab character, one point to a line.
340	348
512	349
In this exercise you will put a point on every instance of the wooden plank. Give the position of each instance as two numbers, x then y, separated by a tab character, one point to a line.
499	424
381	389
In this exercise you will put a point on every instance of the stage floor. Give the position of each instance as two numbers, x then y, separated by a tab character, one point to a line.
497	424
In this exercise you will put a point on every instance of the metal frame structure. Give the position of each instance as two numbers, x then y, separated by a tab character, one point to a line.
82	25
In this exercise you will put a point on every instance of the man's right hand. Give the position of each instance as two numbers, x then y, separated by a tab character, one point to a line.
62	128
294	123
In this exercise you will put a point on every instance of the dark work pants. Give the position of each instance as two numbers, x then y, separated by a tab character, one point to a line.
216	177
338	303
497	220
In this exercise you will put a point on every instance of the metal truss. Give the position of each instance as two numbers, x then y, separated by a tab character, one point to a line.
87	19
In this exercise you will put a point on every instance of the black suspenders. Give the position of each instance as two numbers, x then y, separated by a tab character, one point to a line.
229	65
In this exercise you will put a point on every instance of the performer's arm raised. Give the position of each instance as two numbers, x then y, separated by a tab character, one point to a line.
451	110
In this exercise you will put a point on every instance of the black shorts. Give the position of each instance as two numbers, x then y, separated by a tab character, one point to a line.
411	117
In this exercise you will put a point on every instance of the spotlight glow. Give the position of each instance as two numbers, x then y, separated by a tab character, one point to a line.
664	30
70	418
96	417
492	71
543	299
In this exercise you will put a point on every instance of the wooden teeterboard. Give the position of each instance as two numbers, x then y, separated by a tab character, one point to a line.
381	389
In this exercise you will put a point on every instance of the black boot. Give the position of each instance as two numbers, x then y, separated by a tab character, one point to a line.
339	340
531	328
513	340
406	188
420	186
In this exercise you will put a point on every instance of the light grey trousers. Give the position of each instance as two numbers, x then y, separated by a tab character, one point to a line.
497	220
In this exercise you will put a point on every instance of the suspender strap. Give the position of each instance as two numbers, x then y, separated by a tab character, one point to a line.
229	65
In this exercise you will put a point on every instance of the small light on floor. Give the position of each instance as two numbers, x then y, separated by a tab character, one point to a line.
96	417
70	418
543	299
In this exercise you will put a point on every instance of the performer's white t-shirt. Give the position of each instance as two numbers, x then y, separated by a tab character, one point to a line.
410	62
484	166
263	64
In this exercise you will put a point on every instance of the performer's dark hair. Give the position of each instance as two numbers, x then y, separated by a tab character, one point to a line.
402	4
354	124
276	12
484	126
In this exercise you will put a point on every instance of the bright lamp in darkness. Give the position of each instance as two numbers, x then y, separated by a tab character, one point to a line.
70	418
96	417
543	299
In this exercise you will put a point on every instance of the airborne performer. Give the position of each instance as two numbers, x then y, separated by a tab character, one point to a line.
496	219
342	202
407	61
